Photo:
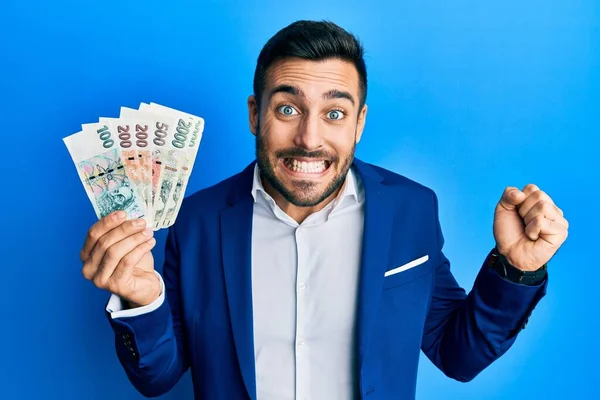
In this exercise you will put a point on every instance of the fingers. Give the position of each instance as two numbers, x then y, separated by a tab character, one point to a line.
114	255
124	270
115	235
530	189
115	244
554	232
534	196
546	209
511	198
113	276
540	215
98	230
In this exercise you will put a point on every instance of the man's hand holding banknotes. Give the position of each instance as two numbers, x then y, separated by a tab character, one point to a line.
117	257
135	170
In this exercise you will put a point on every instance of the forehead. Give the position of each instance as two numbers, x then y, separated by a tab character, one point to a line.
314	77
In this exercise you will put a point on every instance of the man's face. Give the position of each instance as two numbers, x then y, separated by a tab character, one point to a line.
307	127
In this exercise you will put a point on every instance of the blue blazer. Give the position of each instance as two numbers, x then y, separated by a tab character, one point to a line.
205	324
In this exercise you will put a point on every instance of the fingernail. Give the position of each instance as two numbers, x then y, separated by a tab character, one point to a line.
147	232
138	222
514	194
119	215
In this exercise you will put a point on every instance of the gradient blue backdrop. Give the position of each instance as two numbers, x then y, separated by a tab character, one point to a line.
466	97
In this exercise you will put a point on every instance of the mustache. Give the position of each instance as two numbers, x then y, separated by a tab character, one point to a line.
298	152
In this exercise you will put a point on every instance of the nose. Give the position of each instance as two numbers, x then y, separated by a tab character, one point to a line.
309	136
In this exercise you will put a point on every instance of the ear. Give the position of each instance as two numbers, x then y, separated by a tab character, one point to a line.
360	124
253	114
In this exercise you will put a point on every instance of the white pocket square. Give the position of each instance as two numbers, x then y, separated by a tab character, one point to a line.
406	266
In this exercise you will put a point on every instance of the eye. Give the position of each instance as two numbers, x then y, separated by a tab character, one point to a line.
287	110
335	115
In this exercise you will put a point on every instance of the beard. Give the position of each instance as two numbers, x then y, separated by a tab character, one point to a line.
303	193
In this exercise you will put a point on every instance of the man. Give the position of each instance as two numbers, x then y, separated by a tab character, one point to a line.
312	274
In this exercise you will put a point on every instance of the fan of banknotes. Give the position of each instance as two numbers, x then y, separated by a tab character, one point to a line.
139	163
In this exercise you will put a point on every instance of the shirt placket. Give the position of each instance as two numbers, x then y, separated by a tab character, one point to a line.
301	346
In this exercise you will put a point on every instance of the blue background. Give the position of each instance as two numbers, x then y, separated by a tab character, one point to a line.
466	97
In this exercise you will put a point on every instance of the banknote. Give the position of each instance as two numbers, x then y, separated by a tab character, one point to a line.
132	138
186	170
161	128
188	134
102	171
173	161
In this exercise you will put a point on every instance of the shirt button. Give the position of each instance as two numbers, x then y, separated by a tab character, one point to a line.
301	286
301	343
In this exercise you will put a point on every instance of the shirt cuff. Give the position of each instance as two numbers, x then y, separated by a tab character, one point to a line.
116	309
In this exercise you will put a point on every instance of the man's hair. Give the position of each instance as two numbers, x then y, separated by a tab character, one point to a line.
314	41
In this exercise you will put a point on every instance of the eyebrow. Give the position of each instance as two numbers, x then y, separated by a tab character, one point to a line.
338	94
296	91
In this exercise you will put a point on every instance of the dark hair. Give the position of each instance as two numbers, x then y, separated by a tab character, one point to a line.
314	41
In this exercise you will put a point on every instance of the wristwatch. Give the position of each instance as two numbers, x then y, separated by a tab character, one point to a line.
500	264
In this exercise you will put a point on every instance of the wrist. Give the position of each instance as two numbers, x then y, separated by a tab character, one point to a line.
507	259
152	296
505	256
502	265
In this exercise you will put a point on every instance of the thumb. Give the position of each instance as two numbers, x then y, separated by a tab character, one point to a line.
511	198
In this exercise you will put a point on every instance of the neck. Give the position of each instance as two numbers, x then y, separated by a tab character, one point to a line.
298	214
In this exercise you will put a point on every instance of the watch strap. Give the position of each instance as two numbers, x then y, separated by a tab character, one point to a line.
500	264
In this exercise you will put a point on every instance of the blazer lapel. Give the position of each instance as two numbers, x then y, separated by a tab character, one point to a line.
236	246
378	224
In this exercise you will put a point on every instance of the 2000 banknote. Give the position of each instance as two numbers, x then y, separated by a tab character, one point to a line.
176	196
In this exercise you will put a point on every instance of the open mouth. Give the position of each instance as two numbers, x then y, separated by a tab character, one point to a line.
306	166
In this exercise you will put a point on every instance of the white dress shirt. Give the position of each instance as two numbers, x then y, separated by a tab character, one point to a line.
304	292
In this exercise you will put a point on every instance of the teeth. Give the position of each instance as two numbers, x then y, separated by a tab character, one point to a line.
314	167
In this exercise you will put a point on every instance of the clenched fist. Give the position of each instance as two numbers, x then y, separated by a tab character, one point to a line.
528	227
117	257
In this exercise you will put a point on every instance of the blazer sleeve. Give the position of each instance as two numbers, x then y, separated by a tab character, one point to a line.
152	347
465	333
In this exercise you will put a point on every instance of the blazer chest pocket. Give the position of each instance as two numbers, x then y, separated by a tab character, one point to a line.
400	274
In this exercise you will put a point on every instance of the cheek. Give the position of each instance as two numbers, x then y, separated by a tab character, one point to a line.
277	134
265	123
342	141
